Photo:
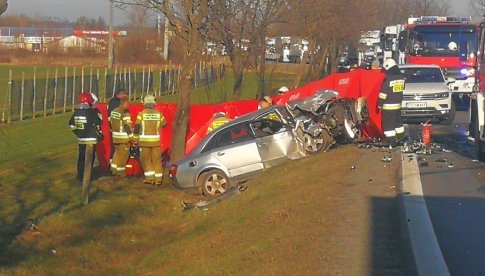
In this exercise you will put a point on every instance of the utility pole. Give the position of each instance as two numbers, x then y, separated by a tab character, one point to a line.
110	47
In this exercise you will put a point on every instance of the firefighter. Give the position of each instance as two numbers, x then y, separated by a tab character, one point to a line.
283	90
376	65
265	102
116	100
122	135
147	136
85	123
390	99
218	119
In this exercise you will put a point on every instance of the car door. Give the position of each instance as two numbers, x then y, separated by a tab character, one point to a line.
274	140
235	148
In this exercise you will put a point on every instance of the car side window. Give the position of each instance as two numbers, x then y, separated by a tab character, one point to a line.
231	136
266	127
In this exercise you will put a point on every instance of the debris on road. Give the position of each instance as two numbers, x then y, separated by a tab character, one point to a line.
205	204
386	159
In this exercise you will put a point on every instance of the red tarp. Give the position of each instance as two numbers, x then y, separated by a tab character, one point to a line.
355	84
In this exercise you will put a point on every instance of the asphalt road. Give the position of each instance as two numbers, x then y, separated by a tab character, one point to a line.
454	188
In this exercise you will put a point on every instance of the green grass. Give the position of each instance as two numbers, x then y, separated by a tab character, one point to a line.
128	228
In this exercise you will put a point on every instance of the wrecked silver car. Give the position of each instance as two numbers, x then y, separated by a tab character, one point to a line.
237	151
246	146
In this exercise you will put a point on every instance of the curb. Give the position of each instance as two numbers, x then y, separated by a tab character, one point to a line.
427	253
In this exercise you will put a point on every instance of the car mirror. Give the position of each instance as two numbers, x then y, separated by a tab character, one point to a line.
450	80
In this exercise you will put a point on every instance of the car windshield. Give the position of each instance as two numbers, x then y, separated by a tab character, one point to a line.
444	41
420	75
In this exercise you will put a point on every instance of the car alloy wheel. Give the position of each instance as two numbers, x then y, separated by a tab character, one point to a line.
214	183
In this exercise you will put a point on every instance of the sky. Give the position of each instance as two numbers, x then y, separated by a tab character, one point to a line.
65	9
72	9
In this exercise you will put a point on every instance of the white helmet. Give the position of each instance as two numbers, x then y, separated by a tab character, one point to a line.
453	46
283	90
389	63
95	98
149	99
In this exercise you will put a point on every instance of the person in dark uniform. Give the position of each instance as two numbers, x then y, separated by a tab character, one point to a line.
85	123
116	100
390	100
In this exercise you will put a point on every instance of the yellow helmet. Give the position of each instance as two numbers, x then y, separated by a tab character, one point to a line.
149	99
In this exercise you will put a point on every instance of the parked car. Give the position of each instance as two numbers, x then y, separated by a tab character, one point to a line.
246	146
237	151
427	95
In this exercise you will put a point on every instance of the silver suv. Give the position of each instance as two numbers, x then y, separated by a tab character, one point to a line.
427	95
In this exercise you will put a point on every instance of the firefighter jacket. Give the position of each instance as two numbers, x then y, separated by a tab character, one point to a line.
391	95
85	123
147	127
120	122
216	123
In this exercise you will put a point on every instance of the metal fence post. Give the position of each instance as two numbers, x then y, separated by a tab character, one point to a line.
105	83
34	93
143	82
55	93
73	88
97	84
9	116
134	87
82	79
46	92
91	79
148	79
22	90
65	90
129	83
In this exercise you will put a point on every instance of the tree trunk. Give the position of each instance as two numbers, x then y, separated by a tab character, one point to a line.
261	71
238	71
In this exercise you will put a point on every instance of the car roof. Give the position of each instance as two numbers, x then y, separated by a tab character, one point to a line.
245	118
409	65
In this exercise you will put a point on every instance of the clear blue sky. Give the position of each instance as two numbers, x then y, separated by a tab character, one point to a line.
72	9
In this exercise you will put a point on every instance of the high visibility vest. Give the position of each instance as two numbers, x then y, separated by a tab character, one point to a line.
147	127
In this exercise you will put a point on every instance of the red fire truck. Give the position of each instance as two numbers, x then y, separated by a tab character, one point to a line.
449	42
477	104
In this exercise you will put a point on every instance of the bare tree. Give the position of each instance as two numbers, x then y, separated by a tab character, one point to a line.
478	8
187	19
242	27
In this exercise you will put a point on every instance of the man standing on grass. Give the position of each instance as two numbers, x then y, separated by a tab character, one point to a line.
147	136
85	123
122	134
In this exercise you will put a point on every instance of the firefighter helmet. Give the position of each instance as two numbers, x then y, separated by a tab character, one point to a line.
453	46
283	90
389	63
149	99
95	98
219	115
86	97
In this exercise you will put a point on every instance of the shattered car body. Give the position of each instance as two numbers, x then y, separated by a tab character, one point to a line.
237	151
246	146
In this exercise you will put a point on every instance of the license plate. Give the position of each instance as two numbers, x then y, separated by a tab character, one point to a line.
416	105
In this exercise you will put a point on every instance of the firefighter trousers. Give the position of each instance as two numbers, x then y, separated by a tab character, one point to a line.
392	124
151	163
83	148
120	157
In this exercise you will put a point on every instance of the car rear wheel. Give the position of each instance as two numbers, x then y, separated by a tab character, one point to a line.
214	183
451	115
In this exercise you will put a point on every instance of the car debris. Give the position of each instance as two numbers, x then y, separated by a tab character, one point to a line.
204	205
386	159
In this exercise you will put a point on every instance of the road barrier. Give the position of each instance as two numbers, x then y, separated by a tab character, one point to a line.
57	90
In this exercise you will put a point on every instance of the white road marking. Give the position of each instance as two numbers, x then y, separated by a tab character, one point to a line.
427	253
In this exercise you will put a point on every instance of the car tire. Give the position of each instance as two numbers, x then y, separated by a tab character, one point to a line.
214	183
451	115
315	145
479	144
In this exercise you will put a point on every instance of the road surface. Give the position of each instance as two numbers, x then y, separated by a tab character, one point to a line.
454	189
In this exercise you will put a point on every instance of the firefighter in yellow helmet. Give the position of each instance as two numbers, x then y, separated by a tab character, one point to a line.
122	133
219	119
147	136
